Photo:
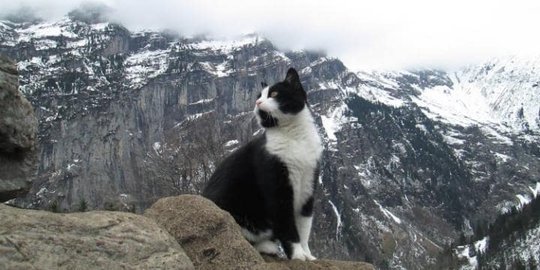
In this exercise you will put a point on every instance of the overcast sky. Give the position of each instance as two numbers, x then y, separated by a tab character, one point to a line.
380	34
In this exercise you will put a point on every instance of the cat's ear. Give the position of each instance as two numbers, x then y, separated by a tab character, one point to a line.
293	78
263	84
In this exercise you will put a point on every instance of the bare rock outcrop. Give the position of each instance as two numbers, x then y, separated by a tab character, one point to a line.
183	232
32	239
212	239
18	128
209	235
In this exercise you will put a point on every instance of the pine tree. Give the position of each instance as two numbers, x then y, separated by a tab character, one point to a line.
533	264
53	207
83	206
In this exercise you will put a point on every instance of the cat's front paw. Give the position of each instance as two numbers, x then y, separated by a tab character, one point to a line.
299	256
310	257
298	253
267	247
307	251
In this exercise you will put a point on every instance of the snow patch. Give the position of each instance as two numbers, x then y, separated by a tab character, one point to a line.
41	192
503	157
225	46
222	70
387	213
48	29
338	217
422	128
70	167
334	121
145	65
463	252
377	87
523	200
535	191
452	140
45	44
497	136
231	143
100	26
157	147
481	245
330	126
202	101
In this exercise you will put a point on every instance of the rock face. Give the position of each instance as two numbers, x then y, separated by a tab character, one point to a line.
18	128
31	239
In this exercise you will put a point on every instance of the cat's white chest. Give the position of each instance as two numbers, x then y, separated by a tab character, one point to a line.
300	149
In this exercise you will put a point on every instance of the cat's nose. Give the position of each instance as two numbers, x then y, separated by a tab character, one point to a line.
258	102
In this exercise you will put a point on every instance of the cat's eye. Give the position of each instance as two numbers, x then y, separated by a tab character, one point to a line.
273	94
259	96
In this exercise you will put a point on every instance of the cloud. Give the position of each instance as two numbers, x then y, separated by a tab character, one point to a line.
380	34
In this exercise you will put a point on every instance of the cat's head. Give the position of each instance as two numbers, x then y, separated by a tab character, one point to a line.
279	104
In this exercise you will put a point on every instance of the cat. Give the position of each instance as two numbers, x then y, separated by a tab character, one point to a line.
268	184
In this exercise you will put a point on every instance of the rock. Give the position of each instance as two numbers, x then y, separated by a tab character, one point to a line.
31	239
212	239
209	235
278	264
18	127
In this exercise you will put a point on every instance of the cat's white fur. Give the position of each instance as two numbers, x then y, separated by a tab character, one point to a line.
304	229
297	143
262	240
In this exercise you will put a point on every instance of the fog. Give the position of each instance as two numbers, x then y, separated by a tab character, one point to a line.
365	35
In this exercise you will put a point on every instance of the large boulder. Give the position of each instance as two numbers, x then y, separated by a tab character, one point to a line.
18	127
212	239
209	235
31	239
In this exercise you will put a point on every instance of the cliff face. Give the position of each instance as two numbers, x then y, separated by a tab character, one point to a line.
18	128
126	118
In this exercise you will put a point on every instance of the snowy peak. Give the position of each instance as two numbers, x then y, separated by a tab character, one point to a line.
502	93
510	89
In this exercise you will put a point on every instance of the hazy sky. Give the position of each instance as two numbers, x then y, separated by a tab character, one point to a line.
380	34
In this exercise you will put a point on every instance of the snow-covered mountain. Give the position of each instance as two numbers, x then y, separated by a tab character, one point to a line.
512	241
501	94
412	158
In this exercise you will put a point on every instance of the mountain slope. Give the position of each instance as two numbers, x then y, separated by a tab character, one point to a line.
509	242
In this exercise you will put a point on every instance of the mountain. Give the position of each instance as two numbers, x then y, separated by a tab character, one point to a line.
412	160
509	242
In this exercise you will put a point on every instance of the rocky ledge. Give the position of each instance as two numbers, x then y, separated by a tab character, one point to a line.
183	232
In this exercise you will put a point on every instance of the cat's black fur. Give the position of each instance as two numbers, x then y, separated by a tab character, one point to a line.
254	185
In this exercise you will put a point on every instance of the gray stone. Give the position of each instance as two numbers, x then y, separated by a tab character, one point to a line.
18	127
31	239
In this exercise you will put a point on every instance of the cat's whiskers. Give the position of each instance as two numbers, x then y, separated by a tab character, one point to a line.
270	117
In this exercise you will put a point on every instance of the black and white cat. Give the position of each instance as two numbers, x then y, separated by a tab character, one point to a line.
268	184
